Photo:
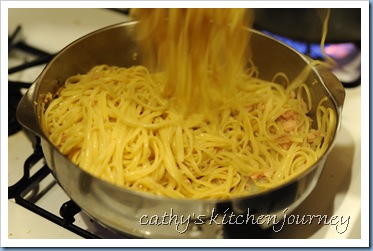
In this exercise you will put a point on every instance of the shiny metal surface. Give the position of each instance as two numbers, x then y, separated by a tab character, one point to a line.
143	215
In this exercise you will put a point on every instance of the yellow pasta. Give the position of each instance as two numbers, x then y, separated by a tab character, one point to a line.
141	127
114	123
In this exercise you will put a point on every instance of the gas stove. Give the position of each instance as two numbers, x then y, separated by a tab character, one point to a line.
39	209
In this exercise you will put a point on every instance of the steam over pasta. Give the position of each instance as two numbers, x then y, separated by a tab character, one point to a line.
196	125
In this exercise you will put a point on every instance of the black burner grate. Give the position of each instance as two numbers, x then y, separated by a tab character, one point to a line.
14	87
29	182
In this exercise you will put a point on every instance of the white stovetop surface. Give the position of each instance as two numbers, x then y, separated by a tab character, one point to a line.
337	193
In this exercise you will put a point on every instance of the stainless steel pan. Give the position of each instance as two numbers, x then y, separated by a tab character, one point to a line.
133	213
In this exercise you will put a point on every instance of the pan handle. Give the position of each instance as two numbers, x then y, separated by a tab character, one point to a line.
27	111
333	84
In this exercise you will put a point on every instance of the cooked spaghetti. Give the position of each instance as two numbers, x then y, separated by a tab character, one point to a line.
124	126
200	51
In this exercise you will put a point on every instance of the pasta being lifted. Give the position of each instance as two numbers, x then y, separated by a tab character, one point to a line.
119	125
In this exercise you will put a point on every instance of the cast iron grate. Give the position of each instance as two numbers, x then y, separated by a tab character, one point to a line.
29	182
39	57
